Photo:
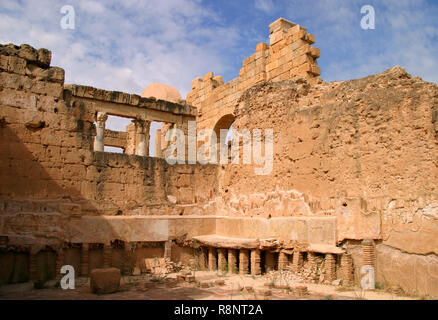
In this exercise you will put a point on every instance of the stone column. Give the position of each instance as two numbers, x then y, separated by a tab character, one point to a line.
368	253
347	268
158	144
282	261
107	253
330	266
212	262
203	258
142	128
297	262
255	262
101	118
270	261
164	144
33	266
311	257
128	258
232	261
168	249
84	259
59	261
222	259
243	261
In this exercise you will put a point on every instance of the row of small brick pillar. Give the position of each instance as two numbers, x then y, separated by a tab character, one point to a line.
84	266
227	259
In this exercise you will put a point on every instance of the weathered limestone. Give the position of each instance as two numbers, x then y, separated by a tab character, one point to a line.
232	261
289	56
222	259
101	118
255	262
212	261
55	189
243	261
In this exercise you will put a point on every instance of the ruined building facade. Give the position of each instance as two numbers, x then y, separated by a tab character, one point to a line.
354	179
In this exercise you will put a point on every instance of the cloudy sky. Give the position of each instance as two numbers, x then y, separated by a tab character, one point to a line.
126	45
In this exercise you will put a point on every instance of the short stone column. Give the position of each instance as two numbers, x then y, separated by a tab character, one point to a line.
101	118
107	255
330	266
311	258
283	261
33	266
255	262
232	261
84	259
347	268
270	261
368	253
203	256
297	262
142	128
222	259
243	261
128	254
168	249
59	261
212	261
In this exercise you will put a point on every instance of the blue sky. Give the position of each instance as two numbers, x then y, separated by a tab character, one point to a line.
126	45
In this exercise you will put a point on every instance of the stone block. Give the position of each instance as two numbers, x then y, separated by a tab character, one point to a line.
104	281
44	57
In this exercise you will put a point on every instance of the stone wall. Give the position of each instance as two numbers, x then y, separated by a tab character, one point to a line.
363	151
50	172
289	56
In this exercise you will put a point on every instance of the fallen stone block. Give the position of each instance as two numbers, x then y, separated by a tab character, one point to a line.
104	281
219	282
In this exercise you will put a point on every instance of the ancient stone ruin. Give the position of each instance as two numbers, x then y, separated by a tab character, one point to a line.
354	179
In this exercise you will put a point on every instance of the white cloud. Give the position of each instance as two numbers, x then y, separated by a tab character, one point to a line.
123	45
264	5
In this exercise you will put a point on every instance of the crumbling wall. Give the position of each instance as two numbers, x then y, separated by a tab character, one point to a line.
363	151
289	56
49	171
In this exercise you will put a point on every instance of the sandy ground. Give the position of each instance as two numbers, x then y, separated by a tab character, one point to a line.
234	287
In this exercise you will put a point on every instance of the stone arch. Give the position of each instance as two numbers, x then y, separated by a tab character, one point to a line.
224	122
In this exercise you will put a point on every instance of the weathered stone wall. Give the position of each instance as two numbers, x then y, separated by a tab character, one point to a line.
363	151
289	56
49	171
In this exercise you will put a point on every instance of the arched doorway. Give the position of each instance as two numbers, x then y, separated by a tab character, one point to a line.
224	123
